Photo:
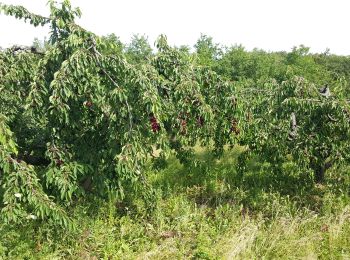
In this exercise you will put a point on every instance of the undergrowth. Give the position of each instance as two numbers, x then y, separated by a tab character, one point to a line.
207	211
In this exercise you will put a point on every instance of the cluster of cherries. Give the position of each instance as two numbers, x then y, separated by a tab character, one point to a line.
234	127
183	124
59	162
154	124
88	104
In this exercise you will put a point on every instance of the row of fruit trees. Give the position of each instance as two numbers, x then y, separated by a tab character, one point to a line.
79	117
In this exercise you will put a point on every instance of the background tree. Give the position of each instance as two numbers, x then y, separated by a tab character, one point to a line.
139	50
113	41
207	51
297	122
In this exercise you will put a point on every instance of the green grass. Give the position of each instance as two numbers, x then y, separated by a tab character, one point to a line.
206	212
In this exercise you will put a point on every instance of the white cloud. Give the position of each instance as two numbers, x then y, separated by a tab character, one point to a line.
268	24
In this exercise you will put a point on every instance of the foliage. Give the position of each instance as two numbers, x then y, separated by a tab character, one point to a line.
300	62
98	117
238	64
139	50
207	51
114	43
299	122
338	67
85	114
205	213
23	196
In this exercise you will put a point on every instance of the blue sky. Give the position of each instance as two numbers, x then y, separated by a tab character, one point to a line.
267	24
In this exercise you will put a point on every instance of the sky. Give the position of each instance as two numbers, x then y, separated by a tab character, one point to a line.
272	25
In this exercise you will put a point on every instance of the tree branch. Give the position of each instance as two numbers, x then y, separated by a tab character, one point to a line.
32	49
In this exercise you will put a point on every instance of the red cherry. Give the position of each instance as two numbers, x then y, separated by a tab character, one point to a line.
59	162
234	127
154	124
88	103
183	126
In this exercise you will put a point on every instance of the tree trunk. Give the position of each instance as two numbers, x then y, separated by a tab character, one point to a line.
320	171
319	174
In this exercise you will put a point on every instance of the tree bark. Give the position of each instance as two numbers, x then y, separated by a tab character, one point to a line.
320	172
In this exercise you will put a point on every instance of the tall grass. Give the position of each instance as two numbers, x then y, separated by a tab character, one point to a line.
210	211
